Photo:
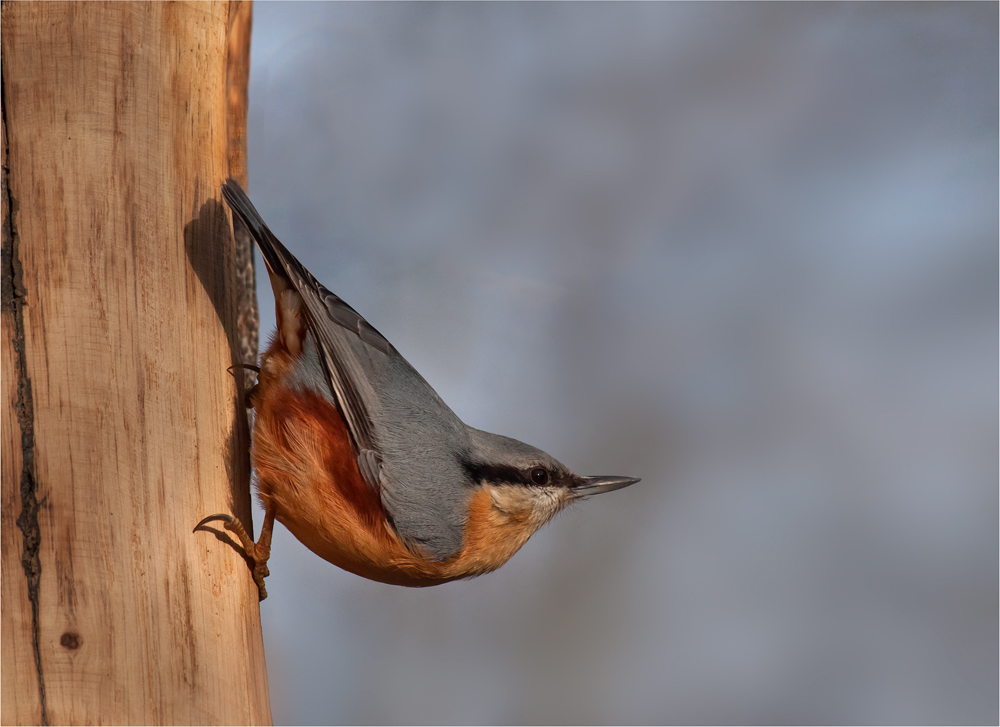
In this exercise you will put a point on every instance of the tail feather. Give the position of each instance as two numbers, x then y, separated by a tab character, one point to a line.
276	255
334	324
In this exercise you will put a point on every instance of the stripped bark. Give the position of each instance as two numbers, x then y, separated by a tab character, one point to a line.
123	298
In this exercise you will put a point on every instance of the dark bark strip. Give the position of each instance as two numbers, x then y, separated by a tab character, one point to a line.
12	300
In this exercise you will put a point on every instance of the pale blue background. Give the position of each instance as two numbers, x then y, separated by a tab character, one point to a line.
746	252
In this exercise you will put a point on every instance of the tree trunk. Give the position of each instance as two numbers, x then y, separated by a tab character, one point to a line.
124	301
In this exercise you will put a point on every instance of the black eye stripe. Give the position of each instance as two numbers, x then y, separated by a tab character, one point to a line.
481	472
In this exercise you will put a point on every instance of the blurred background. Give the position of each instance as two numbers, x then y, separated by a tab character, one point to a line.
747	252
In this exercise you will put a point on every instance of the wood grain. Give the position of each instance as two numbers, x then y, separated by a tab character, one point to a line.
116	141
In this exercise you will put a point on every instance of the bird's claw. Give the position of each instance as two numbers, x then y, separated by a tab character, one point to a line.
249	367
250	393
258	552
211	518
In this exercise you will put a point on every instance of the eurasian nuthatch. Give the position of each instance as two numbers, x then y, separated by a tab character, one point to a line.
365	464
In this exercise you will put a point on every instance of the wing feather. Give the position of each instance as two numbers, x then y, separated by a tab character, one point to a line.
331	321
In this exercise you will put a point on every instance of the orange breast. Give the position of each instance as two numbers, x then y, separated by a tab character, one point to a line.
306	470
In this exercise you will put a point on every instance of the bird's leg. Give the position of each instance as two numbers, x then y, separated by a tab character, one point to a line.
258	552
262	550
250	396
251	393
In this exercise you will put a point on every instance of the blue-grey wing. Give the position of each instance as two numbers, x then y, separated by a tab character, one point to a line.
340	333
412	463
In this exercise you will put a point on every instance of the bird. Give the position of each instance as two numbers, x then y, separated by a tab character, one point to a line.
357	455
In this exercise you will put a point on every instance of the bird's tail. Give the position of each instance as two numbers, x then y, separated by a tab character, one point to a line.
276	255
287	272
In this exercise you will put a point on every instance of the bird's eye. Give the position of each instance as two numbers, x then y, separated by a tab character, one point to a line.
539	476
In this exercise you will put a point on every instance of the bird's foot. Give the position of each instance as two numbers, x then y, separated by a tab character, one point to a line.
250	395
258	552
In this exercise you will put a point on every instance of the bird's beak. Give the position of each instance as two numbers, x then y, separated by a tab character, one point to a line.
587	486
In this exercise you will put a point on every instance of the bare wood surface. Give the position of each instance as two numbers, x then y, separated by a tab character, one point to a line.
116	141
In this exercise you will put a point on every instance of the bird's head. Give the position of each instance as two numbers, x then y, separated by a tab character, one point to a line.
519	489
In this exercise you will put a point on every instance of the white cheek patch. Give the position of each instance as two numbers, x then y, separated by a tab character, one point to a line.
546	503
502	500
540	503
